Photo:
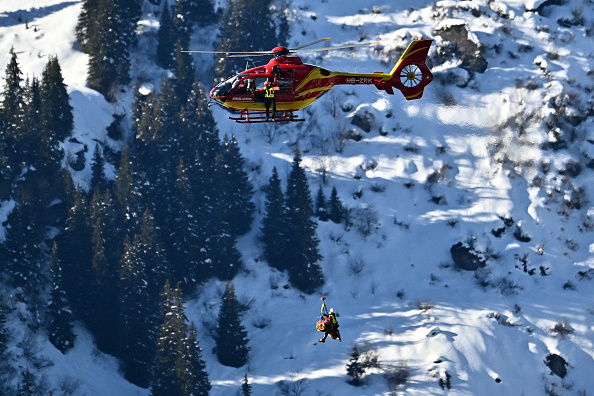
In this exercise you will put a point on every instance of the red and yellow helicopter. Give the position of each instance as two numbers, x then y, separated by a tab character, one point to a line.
300	84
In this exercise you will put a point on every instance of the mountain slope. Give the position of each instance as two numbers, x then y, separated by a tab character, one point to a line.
498	159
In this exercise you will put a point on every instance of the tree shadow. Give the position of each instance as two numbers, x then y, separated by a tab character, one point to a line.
13	18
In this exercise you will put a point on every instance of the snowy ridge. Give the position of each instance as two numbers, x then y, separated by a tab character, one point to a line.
476	161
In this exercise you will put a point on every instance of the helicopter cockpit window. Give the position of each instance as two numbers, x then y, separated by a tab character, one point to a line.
225	87
245	86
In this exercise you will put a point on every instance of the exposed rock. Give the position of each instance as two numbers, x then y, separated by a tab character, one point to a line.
463	45
466	258
363	120
557	364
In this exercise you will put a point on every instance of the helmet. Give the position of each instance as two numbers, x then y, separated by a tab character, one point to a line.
267	82
331	310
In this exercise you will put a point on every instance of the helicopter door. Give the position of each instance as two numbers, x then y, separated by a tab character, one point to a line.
259	92
285	90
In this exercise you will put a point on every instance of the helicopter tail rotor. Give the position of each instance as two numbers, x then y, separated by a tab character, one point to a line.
410	75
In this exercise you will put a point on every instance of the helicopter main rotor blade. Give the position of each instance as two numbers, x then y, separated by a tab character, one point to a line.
248	54
312	43
228	52
337	47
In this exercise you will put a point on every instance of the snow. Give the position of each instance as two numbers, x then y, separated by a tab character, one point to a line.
492	339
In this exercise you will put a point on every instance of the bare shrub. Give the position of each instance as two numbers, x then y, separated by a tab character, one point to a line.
356	264
561	329
260	323
365	219
397	375
295	386
424	305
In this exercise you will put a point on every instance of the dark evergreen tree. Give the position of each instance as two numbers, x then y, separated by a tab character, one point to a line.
302	253
231	337
33	123
7	369
235	188
57	120
61	320
166	40
196	11
138	316
124	184
13	107
335	207
179	368
284	28
186	235
22	249
246	387
185	73
222	257
321	212
107	38
98	181
29	385
246	25
199	385
152	255
87	27
354	368
75	255
273	224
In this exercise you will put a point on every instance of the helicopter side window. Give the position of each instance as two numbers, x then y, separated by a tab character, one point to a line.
284	85
260	83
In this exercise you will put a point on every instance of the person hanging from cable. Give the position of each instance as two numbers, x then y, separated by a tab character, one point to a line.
328	323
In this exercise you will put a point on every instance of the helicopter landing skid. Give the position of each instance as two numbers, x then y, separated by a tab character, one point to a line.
254	117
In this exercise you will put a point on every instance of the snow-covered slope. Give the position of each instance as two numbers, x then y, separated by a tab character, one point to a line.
474	152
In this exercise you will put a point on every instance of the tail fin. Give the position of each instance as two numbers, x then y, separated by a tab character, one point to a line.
410	75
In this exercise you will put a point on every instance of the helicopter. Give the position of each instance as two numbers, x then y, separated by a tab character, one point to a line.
300	84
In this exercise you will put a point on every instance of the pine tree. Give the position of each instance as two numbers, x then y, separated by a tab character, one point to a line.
239	32
231	337
166	40
138	319
284	27
222	257
22	249
28	385
75	254
179	368
246	387
98	181
61	320
273	224
13	107
354	368
185	73
321	212
199	384
33	122
186	236
107	38
7	368
123	184
302	253
335	207
56	117
235	188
